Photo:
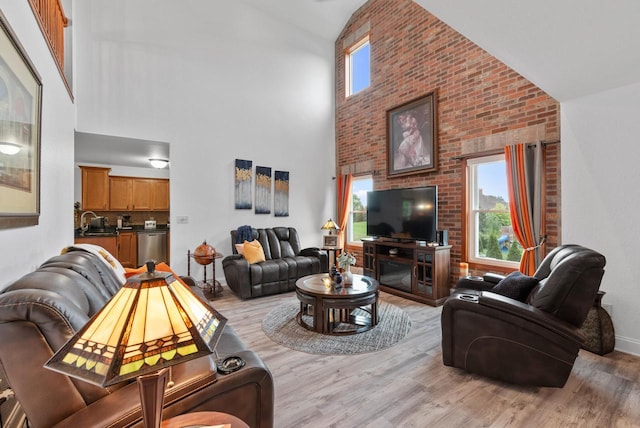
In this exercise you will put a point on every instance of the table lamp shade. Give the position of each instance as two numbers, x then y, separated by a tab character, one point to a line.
154	321
330	225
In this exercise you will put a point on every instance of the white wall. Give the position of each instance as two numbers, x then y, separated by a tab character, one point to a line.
219	81
22	249
600	197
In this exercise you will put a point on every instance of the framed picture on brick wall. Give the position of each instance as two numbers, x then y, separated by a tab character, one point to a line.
412	137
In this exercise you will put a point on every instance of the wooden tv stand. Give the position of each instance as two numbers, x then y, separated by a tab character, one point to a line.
416	272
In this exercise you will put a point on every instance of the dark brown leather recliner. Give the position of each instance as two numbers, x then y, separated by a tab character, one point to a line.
534	342
42	310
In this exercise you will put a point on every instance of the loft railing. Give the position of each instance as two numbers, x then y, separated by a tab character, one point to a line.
50	16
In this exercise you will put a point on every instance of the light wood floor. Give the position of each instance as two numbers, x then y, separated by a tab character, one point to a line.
408	386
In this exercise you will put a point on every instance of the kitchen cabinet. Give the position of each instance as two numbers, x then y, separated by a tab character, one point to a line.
107	242
150	194
138	194
120	194
142	194
127	249
160	195
95	188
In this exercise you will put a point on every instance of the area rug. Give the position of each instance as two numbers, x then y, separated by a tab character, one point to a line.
280	325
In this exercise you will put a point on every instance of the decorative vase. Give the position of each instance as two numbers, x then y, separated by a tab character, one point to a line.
598	329
347	276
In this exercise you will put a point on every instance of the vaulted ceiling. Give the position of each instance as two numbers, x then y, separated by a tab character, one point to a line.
568	48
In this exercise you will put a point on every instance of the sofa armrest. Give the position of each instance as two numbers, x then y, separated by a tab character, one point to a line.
246	394
189	280
320	254
236	273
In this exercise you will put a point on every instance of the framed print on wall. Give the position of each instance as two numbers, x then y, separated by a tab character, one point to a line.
281	194
20	109
242	184
412	132
263	190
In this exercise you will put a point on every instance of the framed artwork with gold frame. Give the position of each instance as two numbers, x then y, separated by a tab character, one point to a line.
20	112
412	137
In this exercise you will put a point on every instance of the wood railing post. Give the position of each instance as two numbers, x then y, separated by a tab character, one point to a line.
52	21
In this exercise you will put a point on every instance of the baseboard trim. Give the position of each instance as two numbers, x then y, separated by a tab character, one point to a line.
628	345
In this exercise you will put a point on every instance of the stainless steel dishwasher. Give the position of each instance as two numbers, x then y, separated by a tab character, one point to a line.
152	245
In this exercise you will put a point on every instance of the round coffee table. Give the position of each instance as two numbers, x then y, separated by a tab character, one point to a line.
337	308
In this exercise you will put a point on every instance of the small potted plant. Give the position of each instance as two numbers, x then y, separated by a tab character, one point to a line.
345	260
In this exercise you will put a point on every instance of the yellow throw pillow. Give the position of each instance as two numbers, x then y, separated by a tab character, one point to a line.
253	252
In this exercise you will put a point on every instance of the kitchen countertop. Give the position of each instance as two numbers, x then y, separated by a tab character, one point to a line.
112	231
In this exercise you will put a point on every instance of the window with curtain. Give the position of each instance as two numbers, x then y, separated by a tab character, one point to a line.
490	238
357	226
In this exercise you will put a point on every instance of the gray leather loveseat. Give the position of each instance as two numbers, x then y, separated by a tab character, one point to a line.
285	263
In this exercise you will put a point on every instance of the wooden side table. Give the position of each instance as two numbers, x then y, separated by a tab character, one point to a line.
336	252
204	419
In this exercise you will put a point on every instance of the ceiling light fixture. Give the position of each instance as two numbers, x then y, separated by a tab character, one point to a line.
9	148
158	163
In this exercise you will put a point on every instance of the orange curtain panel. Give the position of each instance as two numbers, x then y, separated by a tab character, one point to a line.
526	206
344	207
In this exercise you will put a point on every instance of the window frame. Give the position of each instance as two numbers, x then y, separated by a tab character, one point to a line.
471	222
349	65
349	230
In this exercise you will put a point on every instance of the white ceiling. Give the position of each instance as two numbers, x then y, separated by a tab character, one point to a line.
324	18
109	150
568	48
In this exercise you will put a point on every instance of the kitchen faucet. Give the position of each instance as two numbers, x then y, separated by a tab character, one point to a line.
83	226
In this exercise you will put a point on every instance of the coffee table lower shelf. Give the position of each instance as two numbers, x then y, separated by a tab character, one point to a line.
338	310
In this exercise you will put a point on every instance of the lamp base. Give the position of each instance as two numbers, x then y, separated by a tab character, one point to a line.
151	388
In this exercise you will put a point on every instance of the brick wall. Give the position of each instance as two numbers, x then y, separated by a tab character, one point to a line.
412	54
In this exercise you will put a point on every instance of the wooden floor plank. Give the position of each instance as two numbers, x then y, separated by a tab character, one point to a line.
408	386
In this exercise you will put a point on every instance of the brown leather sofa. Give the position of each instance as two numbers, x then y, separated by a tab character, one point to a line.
43	309
285	262
530	342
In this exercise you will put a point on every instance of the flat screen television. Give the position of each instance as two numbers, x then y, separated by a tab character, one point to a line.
403	214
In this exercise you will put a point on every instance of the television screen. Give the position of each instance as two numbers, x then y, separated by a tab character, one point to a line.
404	214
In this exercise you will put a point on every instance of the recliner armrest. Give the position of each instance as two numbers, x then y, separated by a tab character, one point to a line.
505	339
499	305
471	283
493	278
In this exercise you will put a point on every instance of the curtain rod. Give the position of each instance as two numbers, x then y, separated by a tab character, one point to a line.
497	151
